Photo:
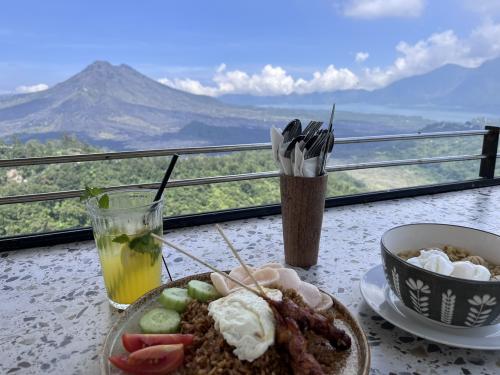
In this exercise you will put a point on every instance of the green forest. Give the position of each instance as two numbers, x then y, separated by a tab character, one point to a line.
70	213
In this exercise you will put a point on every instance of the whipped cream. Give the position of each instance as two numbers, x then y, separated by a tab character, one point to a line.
433	260
470	271
437	261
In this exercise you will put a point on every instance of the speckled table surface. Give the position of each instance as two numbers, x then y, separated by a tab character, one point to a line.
54	314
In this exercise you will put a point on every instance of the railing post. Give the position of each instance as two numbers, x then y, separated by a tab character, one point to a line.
490	149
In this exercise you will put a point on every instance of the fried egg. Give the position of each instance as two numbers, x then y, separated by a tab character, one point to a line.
246	322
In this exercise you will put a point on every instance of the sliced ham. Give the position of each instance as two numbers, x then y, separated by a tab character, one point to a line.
274	274
238	273
220	283
289	279
310	294
272	265
325	304
264	276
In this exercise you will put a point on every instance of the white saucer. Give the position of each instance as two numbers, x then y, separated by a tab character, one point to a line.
377	294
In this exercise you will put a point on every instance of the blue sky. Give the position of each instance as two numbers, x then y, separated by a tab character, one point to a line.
257	47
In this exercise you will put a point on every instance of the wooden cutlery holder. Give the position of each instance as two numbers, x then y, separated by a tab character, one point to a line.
302	206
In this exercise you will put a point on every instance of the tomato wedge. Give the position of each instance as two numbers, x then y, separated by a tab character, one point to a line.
155	360
135	341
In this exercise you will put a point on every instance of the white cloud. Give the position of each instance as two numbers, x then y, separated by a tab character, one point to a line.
383	8
482	44
330	80
485	7
189	85
484	41
269	81
30	89
361	56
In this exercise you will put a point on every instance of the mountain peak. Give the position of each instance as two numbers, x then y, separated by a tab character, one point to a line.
104	77
100	64
100	71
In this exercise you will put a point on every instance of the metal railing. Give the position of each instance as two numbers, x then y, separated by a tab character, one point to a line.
28	198
487	157
218	149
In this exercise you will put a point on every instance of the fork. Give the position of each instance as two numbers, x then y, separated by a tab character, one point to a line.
311	129
316	147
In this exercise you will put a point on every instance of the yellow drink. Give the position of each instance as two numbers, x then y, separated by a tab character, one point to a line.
128	274
130	257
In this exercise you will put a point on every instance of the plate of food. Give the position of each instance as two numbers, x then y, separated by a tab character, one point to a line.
251	320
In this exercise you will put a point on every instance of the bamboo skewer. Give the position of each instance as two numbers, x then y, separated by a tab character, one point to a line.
233	250
208	265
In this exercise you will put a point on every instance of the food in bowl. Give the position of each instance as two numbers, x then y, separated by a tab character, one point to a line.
281	333
443	298
453	262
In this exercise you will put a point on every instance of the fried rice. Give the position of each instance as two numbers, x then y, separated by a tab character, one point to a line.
211	354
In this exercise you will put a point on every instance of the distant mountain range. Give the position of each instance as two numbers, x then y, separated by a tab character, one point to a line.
118	107
449	87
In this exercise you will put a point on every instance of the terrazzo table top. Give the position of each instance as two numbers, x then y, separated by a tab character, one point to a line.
54	314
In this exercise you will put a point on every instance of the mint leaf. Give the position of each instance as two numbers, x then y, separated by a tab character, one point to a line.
123	238
91	192
143	243
85	195
103	201
146	244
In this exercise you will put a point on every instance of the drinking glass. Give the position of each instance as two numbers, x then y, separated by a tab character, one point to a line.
130	258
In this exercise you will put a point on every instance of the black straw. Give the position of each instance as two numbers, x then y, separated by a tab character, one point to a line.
170	168
159	194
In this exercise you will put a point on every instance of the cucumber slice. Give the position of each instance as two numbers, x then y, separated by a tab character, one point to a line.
202	291
160	320
175	299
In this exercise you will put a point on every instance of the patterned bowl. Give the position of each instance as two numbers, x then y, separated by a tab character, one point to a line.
445	299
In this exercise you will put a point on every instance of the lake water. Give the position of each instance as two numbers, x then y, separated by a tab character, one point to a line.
428	113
